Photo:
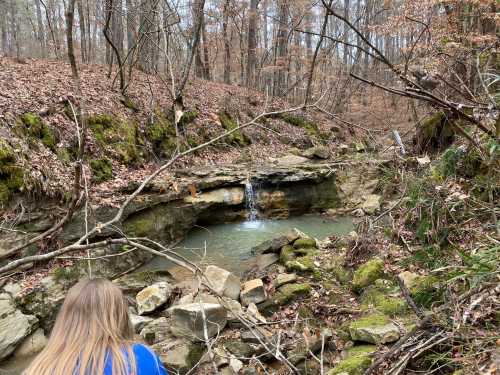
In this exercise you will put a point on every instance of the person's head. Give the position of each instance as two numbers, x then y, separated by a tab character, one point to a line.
93	323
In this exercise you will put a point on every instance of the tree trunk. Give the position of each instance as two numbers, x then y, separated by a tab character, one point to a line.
130	27
227	42
40	29
206	59
252	43
83	32
3	27
148	24
280	84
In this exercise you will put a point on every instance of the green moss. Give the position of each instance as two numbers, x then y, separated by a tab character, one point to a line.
161	134
195	354
367	273
335	265
287	254
304	242
187	118
303	263
237	138
310	127
65	274
11	175
371	320
374	297
116	136
34	127
102	169
290	292
129	103
426	290
357	361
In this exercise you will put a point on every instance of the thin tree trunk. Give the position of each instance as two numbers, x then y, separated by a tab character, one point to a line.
252	43
83	32
206	58
40	29
227	47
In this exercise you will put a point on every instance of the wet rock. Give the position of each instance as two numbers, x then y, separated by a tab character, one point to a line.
317	152
284	278
266	260
374	329
271	246
135	282
151	298
223	282
138	322
14	326
367	273
179	356
32	344
371	203
187	320
156	330
252	292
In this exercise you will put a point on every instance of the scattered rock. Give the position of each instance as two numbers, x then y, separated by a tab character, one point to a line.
408	278
179	356
239	349
265	260
187	320
236	365
371	203
135	282
14	326
271	246
356	361
156	330
367	273
151	298
32	344
317	152
254	313
252	292
283	296
138	322
374	329
223	282
303	348
255	336
284	278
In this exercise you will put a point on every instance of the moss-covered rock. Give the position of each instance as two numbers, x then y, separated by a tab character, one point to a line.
116	136
367	273
377	298
33	126
187	118
102	169
290	292
310	127
426	290
304	243
374	328
335	266
11	175
303	263
161	134
435	132
357	360
237	137
287	254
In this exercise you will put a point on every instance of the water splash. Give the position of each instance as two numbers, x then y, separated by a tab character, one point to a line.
250	201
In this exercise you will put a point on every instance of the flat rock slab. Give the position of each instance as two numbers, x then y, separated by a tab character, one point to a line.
151	298
374	329
284	278
188	320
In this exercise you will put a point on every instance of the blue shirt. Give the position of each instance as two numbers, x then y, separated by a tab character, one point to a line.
146	360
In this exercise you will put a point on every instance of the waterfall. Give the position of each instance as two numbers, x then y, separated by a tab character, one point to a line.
250	201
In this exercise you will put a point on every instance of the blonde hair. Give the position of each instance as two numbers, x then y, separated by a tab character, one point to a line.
93	323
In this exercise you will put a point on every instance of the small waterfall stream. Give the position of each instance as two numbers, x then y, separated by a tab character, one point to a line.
250	201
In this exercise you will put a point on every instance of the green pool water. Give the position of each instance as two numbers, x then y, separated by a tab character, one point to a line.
229	245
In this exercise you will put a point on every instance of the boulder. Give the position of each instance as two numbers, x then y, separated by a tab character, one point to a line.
367	273
317	152
179	356
374	329
156	330
252	292
266	260
32	344
14	326
284	278
138	322
223	282
152	297
187	320
271	246
371	203
135	282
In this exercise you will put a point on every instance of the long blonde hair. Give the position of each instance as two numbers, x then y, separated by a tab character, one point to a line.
93	323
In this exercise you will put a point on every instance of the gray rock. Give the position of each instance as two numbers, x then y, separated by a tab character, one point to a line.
374	329
265	260
302	348
156	330
151	298
317	152
284	278
187	320
178	355
14	326
252	292
371	203
239	349
138	322
32	344
223	282
292	160
135	282
271	246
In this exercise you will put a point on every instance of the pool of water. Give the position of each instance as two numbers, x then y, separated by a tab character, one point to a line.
229	245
